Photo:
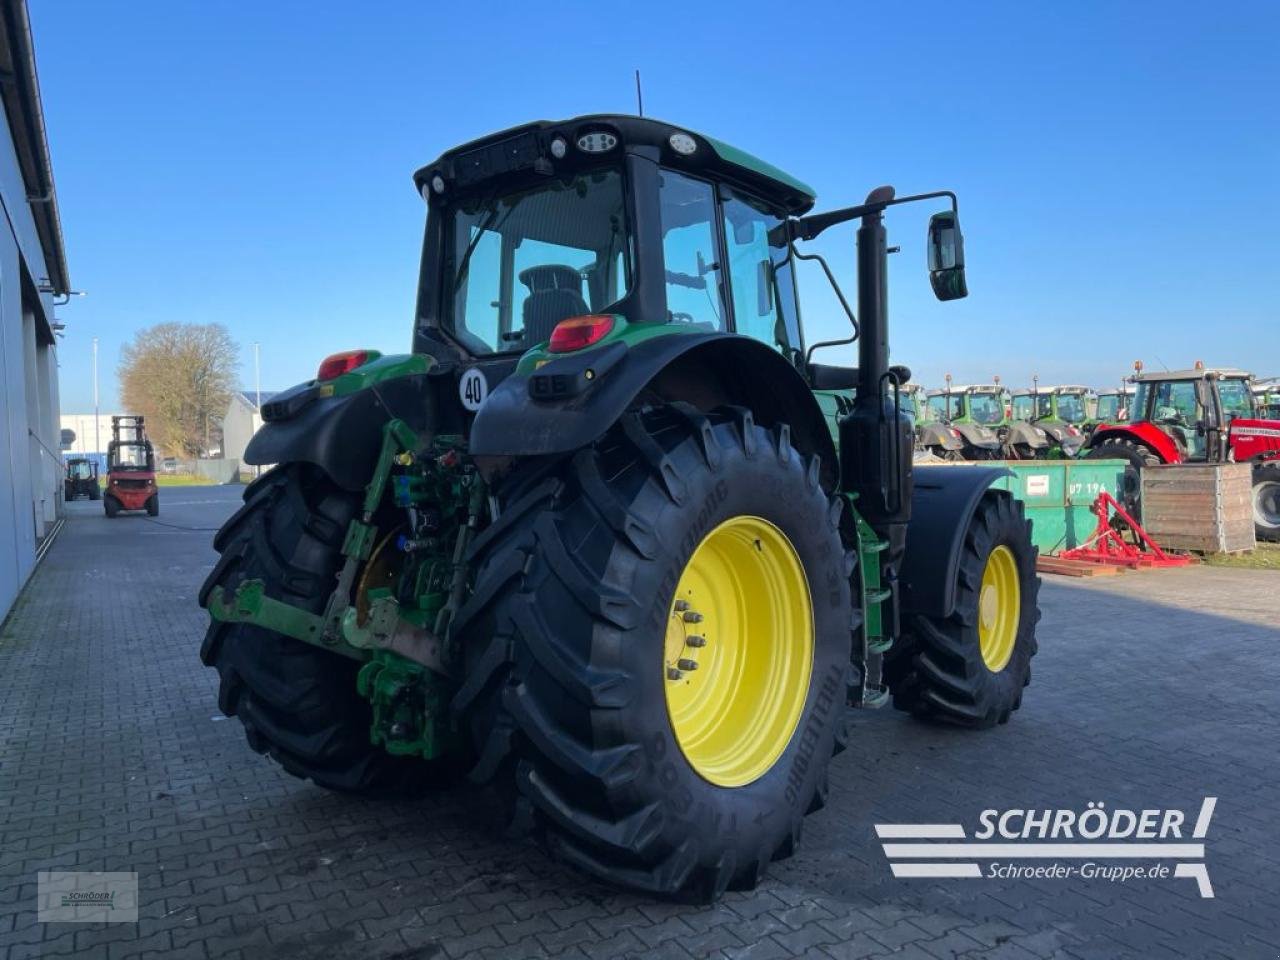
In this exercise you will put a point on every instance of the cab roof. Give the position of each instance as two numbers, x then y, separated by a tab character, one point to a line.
1066	388
967	388
1198	373
528	146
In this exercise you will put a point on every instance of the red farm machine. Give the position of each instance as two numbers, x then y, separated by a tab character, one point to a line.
1201	415
131	469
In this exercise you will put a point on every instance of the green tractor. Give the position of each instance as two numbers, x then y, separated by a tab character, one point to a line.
593	541
1110	405
975	413
1061	412
932	435
1266	397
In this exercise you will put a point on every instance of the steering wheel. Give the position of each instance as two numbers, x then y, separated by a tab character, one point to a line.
681	316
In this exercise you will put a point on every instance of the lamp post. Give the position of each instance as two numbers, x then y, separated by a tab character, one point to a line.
97	438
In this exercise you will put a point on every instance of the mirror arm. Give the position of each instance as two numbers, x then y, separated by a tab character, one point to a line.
806	228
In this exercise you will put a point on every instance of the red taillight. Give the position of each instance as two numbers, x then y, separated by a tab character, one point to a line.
336	364
578	332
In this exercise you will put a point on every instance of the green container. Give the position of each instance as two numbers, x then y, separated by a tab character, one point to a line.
1057	495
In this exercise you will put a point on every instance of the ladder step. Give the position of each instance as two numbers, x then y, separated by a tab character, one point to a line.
874	698
879	596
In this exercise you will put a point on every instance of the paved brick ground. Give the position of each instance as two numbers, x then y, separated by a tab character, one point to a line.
112	757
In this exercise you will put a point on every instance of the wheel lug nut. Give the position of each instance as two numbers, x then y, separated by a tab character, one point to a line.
673	673
694	640
682	605
686	664
691	616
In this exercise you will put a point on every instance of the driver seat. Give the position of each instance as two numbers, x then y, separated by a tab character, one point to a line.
555	294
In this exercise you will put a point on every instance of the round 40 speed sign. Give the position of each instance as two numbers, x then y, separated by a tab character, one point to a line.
473	388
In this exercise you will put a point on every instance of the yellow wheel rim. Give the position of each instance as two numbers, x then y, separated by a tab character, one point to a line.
999	609
739	651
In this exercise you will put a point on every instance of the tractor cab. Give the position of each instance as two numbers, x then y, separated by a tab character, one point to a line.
1061	412
933	436
81	479
1194	409
587	225
976	412
131	469
1111	406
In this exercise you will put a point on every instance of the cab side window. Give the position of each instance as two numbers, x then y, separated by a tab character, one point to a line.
687	210
760	276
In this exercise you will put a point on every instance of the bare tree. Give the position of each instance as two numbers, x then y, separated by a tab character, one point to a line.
180	377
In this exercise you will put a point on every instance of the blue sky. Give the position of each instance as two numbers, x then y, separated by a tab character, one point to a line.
249	163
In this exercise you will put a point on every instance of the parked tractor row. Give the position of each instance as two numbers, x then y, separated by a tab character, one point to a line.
1198	415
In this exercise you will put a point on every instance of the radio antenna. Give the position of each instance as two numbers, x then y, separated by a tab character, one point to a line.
639	96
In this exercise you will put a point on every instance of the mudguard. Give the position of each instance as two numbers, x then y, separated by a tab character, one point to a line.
342	434
979	436
944	502
1143	432
553	410
936	435
1021	432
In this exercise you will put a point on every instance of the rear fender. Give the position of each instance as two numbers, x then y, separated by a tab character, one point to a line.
1146	434
943	504
936	435
1029	435
558	408
342	433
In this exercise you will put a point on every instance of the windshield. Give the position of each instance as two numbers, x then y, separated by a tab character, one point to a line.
130	456
986	408
938	406
1236	398
522	262
1023	408
1071	407
1109	406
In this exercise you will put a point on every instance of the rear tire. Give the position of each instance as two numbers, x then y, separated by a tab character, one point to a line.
567	690
297	703
1138	456
956	669
95	492
1266	502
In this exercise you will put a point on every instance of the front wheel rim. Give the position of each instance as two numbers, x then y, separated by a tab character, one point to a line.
739	649
999	608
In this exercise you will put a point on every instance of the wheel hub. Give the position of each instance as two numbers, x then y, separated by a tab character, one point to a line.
738	652
999	608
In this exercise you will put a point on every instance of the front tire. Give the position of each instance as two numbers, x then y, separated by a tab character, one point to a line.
970	668
297	703
1266	502
153	505
576	632
110	506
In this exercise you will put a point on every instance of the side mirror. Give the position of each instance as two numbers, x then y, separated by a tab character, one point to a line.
946	257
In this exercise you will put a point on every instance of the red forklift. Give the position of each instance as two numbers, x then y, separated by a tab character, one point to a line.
131	469
1202	415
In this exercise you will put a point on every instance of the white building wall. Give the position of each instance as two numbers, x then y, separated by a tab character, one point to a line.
87	441
30	490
